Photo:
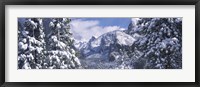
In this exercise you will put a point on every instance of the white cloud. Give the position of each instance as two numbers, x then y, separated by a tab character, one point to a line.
83	30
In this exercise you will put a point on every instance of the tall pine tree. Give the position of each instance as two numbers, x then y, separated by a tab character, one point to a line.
160	43
31	44
61	54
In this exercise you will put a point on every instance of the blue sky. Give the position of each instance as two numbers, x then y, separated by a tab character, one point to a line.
122	22
84	28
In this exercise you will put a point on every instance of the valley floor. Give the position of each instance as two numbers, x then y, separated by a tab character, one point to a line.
97	63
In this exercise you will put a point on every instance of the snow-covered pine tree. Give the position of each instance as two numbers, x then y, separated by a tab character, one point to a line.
61	54
31	44
160	43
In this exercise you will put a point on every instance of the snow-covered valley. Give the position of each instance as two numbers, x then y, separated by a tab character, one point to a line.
148	43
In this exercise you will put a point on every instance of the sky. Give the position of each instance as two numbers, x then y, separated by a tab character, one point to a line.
84	28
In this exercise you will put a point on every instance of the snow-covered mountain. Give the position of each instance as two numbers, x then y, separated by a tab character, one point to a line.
80	45
106	44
